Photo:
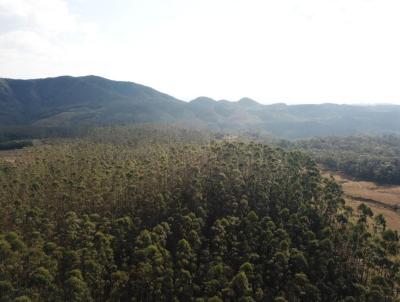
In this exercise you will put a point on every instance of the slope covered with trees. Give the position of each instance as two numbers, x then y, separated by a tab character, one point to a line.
373	158
64	102
180	218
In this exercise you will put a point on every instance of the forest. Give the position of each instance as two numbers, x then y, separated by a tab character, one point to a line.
373	158
149	213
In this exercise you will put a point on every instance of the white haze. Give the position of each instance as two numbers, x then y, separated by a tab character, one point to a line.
308	51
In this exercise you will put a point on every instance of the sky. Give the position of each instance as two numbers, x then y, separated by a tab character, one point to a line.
292	51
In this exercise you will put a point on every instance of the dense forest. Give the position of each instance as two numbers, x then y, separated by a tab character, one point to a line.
168	214
374	158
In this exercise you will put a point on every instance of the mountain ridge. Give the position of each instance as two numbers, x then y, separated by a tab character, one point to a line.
67	101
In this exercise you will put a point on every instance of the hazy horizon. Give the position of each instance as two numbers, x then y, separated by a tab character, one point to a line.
263	102
321	51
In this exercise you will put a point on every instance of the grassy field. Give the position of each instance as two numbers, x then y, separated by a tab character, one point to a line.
12	155
383	200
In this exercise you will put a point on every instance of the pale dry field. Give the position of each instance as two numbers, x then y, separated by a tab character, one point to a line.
10	156
383	200
389	195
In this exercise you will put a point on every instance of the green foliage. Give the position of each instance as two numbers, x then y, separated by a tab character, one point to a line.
22	299
373	158
113	219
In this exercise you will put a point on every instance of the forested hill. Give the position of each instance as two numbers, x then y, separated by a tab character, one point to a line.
66	101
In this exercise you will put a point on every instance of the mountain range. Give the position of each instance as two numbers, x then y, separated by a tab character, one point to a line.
91	100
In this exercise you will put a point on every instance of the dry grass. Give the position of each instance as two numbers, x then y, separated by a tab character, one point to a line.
383	200
10	156
392	218
387	194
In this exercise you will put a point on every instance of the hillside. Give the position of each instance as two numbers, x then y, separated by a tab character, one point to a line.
66	101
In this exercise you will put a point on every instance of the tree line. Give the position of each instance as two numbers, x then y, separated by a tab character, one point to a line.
373	158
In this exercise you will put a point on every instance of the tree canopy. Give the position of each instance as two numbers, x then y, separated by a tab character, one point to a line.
105	219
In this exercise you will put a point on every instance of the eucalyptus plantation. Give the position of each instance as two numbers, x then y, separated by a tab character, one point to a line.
173	216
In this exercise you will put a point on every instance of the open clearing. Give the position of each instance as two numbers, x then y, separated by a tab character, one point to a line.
381	199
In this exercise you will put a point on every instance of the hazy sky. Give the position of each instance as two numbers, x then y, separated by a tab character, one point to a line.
294	51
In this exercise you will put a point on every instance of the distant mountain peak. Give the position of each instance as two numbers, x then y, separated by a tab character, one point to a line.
278	105
92	100
248	102
66	101
203	100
